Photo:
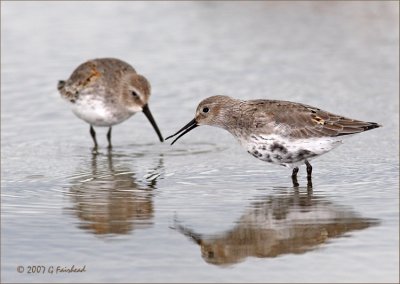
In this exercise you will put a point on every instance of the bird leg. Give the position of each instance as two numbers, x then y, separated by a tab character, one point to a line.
93	134
294	176
109	138
295	171
309	171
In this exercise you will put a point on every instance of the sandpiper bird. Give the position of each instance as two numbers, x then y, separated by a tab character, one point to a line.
279	132
105	92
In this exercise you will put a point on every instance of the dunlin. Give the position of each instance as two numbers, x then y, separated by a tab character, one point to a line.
279	132
107	91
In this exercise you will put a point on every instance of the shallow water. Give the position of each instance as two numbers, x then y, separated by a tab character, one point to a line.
202	210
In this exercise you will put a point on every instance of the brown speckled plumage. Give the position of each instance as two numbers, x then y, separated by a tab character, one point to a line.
279	132
289	119
105	92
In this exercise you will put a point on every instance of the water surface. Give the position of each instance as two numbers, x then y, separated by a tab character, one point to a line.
202	210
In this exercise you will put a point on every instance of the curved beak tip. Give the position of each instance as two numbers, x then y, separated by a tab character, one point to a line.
188	127
149	116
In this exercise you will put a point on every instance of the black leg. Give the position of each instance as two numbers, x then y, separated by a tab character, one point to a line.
309	171
309	185
295	171
93	134
109	138
294	176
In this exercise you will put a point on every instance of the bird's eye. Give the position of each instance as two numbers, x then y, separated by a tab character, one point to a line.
135	94
206	109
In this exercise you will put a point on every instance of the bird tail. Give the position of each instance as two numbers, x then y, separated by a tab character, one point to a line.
371	125
357	127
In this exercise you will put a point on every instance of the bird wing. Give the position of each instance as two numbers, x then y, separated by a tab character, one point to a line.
300	121
91	72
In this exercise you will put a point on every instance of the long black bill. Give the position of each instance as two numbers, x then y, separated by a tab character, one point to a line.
147	113
191	125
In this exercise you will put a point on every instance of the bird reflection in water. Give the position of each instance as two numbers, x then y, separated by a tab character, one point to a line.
284	223
111	200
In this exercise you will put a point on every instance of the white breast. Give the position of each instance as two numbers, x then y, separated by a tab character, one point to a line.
96	112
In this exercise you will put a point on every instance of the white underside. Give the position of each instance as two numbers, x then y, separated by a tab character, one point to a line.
95	112
320	214
262	144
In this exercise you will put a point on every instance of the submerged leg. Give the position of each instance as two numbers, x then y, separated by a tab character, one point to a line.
294	176
93	134
309	171
109	138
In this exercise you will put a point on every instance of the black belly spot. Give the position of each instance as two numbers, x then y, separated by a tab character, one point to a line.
288	158
304	154
254	153
278	147
267	158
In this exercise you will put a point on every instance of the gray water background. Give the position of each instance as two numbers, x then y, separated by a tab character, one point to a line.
202	210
